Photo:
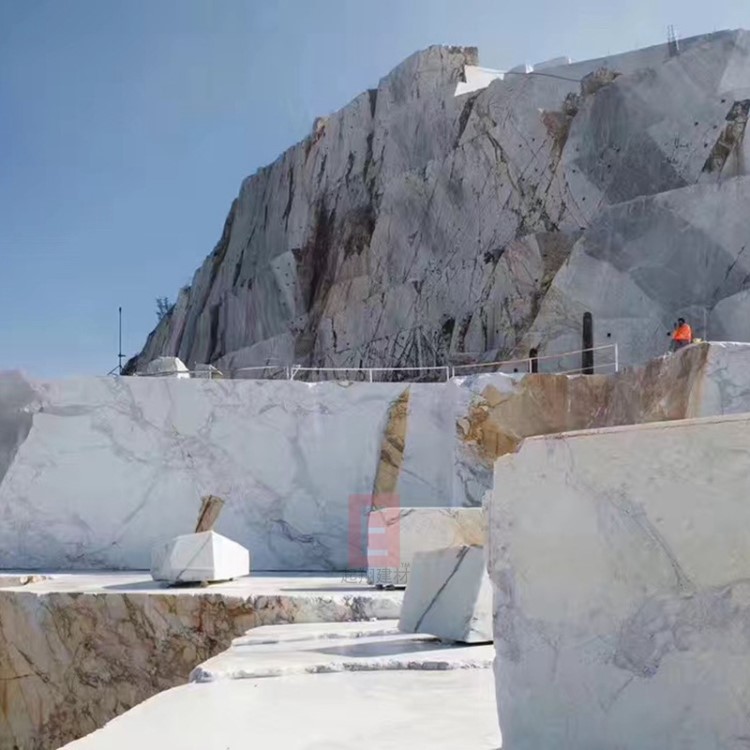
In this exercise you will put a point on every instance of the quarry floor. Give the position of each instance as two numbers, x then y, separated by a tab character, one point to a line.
332	672
452	710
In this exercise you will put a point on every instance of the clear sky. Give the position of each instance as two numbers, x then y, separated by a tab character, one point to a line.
126	127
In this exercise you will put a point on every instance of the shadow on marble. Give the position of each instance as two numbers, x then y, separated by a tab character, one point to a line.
147	586
392	648
330	589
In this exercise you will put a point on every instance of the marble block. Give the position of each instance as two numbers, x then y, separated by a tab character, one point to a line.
206	556
621	575
395	535
449	596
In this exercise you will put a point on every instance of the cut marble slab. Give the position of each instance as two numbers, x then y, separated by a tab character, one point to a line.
395	535
620	565
200	558
449	596
346	647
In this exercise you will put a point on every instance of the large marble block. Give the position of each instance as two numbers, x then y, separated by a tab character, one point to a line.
199	558
620	565
287	457
449	596
395	535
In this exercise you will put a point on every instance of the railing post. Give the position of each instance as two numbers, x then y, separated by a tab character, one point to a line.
369	373
617	359
533	361
587	354
447	374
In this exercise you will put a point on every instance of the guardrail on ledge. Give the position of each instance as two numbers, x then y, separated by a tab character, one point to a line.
436	373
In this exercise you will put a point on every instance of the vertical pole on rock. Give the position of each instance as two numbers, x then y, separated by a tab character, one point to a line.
533	360
119	347
587	355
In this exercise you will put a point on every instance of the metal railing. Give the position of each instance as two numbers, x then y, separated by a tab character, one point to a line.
527	362
432	373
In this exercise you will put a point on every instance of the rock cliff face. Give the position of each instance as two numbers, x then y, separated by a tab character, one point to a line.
417	227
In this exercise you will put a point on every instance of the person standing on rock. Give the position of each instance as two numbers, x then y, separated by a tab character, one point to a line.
681	336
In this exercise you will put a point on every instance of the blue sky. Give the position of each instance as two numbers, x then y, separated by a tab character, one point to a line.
126	127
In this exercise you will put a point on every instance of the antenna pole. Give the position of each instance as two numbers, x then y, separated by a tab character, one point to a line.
119	349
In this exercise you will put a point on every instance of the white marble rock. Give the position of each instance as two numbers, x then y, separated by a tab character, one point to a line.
200	558
286	456
395	535
620	565
449	596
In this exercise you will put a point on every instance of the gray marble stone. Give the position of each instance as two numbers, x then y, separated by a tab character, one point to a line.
449	595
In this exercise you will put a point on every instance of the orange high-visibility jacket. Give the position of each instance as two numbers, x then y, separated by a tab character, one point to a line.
683	333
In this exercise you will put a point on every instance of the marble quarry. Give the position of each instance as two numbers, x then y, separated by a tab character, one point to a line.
620	566
449	217
449	595
453	213
76	650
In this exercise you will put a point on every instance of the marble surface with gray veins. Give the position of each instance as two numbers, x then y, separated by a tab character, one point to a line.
95	472
417	227
620	565
449	596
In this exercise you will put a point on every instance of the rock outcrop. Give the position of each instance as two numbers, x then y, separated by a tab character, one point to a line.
418	227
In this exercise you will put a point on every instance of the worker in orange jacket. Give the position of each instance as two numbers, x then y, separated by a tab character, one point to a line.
682	335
